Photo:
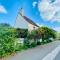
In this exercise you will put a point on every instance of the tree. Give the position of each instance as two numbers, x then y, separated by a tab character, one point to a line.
33	34
5	25
46	33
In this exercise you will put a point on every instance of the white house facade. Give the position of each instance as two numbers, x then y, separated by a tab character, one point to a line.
23	22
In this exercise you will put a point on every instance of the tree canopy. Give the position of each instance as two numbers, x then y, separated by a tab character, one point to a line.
42	33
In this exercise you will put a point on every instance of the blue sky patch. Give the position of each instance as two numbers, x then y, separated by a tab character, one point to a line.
42	12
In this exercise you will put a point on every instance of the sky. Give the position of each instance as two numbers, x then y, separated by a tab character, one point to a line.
42	12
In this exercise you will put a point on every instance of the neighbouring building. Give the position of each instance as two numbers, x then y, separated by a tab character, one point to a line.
24	22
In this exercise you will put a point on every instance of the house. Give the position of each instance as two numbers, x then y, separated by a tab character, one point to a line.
24	22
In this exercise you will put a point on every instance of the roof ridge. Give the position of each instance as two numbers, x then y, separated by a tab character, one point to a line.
30	21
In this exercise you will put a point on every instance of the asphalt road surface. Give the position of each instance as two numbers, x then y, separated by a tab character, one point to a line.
37	53
57	57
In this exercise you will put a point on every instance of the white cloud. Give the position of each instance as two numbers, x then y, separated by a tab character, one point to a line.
49	11
40	25
57	29
2	9
34	3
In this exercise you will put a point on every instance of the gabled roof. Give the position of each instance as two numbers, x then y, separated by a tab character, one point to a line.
30	21
21	12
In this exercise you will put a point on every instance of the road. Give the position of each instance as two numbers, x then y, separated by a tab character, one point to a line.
57	57
37	53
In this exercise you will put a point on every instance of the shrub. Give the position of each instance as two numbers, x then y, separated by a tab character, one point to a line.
7	42
26	43
38	43
48	41
21	33
45	33
18	47
33	44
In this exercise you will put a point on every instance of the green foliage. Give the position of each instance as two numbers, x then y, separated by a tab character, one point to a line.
4	25
33	35
21	33
33	44
43	33
26	43
7	40
38	43
18	47
46	33
9	35
58	36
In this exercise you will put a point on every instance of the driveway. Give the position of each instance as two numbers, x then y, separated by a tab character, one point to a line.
37	53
